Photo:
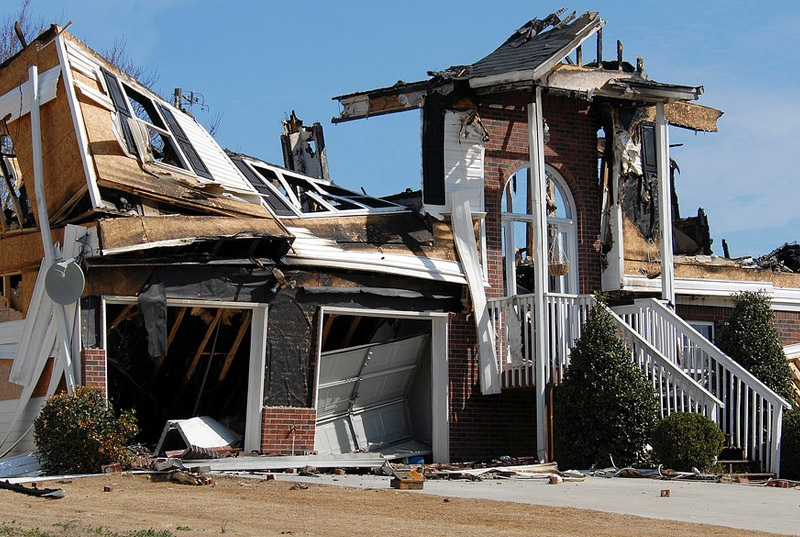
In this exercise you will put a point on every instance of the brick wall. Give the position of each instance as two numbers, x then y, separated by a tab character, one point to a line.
572	151
786	322
484	426
288	430
93	368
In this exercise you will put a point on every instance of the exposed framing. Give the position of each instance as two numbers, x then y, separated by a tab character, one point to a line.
258	348
440	412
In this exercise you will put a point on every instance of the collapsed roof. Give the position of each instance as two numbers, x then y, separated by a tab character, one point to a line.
538	54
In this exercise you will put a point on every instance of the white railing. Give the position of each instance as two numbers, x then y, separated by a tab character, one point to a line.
753	413
513	322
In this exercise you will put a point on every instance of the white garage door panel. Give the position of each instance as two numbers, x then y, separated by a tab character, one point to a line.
384	388
341	365
332	400
383	425
362	391
395	354
334	437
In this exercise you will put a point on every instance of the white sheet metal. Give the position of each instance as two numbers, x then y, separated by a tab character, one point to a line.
39	338
467	248
22	465
17	102
205	432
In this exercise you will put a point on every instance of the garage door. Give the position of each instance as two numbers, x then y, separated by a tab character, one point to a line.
362	400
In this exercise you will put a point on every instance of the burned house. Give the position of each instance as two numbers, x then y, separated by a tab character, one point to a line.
310	318
562	164
138	256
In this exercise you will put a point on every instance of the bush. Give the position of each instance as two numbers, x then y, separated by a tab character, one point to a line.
684	440
80	432
749	337
605	405
790	445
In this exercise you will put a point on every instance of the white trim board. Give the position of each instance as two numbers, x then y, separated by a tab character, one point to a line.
717	292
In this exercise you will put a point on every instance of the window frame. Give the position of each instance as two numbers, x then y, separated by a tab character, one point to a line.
568	225
135	130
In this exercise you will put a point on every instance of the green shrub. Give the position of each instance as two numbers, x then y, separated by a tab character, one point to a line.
80	432
790	445
684	440
749	337
605	405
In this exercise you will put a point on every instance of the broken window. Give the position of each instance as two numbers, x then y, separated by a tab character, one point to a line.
16	207
290	194
150	129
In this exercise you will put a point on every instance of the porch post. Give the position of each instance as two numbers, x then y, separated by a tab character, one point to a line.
665	207
537	187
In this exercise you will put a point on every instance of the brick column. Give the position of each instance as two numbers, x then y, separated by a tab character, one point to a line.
93	368
288	430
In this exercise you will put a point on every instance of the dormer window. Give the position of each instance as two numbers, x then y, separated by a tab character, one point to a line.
150	129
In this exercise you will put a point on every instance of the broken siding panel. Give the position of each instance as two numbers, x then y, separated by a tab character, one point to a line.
7	411
219	165
463	158
17	102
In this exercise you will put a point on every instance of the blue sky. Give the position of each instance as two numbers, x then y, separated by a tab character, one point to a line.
255	61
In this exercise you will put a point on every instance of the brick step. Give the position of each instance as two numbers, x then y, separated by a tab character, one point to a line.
749	477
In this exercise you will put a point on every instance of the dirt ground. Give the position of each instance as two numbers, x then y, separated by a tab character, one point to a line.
263	508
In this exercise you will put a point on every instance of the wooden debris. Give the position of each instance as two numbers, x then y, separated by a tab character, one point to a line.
33	491
408	480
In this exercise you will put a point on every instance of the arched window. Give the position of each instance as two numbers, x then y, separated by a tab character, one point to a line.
518	245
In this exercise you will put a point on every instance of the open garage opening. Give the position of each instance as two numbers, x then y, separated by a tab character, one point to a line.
204	371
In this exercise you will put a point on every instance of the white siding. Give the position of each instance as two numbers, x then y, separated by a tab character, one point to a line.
463	159
7	409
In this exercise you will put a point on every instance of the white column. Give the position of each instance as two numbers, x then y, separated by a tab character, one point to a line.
665	207
537	187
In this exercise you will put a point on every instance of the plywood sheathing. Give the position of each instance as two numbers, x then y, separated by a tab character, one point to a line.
643	258
688	115
64	180
125	232
10	391
116	281
794	366
23	251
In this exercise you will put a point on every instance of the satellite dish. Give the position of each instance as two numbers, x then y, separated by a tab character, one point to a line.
64	282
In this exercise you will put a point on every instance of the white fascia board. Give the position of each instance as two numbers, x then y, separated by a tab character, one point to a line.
717	292
651	95
438	270
17	102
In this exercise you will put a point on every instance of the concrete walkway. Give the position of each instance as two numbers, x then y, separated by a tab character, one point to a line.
752	507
